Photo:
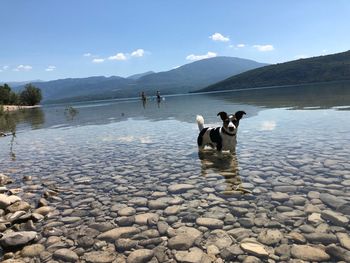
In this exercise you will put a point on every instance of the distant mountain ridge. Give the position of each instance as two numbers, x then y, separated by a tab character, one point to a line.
335	67
137	76
184	79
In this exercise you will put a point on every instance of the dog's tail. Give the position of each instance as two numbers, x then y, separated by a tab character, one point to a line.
200	122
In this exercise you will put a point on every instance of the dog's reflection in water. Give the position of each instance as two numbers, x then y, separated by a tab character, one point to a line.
216	164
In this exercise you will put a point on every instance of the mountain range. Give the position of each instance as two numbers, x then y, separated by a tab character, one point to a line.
335	67
184	79
207	75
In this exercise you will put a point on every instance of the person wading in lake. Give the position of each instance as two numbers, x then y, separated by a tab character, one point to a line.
144	99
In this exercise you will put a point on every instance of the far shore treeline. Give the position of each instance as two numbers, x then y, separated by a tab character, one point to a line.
29	96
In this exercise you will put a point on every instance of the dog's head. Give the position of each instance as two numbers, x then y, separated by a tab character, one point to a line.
231	122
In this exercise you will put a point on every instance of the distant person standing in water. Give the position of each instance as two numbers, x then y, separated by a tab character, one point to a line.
144	99
158	95
143	96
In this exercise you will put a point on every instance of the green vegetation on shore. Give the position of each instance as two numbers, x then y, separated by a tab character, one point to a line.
334	67
29	96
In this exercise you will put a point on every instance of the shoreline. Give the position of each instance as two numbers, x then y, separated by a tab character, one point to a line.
8	108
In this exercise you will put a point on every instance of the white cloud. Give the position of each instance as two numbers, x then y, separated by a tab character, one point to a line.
193	57
264	48
138	53
98	60
237	46
50	68
119	56
23	68
268	126
87	55
5	67
219	37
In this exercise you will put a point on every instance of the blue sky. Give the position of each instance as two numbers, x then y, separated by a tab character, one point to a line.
52	39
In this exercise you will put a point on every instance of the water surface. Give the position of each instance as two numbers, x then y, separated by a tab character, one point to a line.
115	154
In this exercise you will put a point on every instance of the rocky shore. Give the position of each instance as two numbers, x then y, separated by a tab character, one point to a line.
174	222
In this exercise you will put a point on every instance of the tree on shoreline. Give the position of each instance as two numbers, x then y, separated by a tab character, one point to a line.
7	96
30	96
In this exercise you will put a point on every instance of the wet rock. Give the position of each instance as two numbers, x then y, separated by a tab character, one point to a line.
239	211
336	218
246	222
210	223
283	250
297	200
18	206
322	238
99	257
179	188
140	256
159	203
151	241
285	188
123	244
162	227
139	201
193	256
66	255
344	240
142	219
102	227
254	249
251	259
332	200
184	238
114	234
126	211
17	238
240	233
70	220
280	197
125	220
172	210
270	236
85	241
309	253
219	238
315	218
338	252
44	210
296	237
6	200
231	253
32	250
4	179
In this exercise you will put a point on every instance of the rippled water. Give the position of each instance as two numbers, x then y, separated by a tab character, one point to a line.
116	151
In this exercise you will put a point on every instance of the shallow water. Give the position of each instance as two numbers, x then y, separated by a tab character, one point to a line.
114	154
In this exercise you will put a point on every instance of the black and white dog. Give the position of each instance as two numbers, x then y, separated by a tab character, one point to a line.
222	138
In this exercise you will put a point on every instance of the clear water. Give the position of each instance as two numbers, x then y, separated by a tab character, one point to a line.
114	151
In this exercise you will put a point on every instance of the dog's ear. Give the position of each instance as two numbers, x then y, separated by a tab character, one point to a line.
239	114
223	115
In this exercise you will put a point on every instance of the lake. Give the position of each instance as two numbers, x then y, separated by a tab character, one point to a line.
123	180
